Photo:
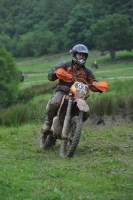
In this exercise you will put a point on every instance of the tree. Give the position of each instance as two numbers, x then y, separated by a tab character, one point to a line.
36	44
113	33
58	13
9	79
44	43
78	26
67	22
25	45
5	41
103	7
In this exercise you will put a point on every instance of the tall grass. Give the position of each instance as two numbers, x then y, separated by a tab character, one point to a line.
117	99
27	111
22	114
103	105
29	93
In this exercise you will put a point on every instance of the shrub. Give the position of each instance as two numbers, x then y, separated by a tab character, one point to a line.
103	105
9	79
30	92
21	114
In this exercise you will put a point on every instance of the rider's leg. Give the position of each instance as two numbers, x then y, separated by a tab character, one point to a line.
51	110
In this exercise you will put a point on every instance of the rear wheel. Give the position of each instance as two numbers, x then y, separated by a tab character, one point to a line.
69	145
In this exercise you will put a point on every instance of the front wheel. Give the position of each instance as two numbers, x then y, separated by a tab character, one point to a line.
69	145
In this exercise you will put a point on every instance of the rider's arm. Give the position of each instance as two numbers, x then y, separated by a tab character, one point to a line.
90	76
59	72
94	85
63	75
52	74
91	80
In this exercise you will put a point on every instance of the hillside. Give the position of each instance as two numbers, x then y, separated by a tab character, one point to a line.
38	27
102	166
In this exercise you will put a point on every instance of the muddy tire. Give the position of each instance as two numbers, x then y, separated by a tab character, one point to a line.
68	146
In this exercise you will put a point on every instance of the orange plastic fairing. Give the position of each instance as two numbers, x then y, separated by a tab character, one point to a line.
102	86
63	75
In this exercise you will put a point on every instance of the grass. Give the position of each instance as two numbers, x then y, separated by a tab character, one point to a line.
102	167
36	69
36	90
100	170
117	71
32	102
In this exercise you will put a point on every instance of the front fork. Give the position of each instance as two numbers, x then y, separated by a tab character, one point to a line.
67	120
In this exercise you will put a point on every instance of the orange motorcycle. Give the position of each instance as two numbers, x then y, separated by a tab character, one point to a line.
67	125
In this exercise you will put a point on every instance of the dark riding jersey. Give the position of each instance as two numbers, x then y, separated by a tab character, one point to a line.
83	72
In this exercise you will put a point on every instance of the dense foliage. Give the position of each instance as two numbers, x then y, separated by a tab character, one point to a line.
38	27
109	35
9	79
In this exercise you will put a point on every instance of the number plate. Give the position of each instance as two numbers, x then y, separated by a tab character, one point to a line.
80	89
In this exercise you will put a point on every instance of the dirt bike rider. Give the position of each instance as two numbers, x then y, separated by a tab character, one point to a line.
65	73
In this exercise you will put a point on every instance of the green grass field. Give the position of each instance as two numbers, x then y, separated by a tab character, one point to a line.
36	70
102	166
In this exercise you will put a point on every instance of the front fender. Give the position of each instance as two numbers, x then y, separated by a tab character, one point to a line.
82	105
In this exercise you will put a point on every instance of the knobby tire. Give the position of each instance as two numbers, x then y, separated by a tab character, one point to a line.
78	120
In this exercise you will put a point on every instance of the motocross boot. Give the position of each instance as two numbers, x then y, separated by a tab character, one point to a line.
44	130
42	141
47	126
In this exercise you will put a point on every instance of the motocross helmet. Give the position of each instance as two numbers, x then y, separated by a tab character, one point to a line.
79	48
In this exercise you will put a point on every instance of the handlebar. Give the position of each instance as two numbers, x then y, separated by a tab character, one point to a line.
82	80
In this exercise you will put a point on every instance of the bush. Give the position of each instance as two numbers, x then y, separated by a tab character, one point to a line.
21	114
9	79
35	90
104	105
